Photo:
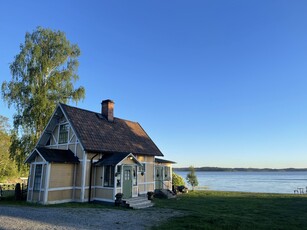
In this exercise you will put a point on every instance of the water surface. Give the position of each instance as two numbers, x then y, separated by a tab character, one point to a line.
266	182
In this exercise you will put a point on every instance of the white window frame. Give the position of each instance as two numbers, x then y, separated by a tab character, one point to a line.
37	178
59	136
111	176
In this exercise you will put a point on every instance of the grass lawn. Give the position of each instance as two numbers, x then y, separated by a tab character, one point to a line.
235	210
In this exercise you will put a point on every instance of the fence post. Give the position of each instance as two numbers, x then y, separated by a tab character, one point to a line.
17	192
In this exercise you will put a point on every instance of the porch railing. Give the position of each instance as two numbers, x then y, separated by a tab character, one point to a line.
167	186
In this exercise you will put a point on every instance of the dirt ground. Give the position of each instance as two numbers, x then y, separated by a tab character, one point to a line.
18	217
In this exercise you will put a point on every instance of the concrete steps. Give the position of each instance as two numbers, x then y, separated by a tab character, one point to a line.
138	202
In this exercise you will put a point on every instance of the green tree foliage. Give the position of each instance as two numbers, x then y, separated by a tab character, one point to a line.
177	180
192	178
7	166
43	73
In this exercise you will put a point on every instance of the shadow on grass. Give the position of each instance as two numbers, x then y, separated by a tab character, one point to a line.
234	210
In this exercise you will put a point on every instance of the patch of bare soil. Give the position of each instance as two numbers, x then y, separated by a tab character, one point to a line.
17	217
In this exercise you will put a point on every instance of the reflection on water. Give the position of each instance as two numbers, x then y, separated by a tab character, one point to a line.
267	182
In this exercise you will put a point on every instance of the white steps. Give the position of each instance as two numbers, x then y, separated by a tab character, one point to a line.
138	202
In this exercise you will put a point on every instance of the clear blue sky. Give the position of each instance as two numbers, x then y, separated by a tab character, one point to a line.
214	83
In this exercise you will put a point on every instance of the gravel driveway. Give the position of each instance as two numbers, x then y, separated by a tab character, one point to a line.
18	217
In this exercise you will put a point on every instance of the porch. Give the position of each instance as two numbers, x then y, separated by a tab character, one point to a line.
115	173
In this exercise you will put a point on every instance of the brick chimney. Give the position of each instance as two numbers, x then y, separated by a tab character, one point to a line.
107	107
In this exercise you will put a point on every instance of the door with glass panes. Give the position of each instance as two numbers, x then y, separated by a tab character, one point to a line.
127	182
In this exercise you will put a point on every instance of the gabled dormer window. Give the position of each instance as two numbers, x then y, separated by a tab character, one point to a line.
63	135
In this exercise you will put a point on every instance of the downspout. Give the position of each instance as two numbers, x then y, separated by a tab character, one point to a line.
91	172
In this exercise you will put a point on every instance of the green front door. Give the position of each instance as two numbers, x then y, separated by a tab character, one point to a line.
127	182
159	177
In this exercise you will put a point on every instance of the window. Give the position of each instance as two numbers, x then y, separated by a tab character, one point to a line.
117	174
167	175
142	168
127	175
63	135
108	176
134	178
37	177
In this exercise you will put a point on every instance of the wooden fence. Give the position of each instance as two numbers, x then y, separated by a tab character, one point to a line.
7	190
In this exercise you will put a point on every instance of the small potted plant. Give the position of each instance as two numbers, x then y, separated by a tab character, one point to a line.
118	199
150	195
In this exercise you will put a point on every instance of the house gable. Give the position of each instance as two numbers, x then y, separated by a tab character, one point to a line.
35	156
60	134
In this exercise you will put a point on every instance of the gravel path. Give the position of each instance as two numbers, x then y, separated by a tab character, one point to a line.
17	217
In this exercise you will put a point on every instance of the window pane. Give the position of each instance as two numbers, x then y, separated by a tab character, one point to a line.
108	176
37	177
127	175
167	173
142	168
63	136
118	175
134	178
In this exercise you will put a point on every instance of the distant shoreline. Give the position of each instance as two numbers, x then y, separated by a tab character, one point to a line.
218	169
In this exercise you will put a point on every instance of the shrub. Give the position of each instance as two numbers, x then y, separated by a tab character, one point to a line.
177	180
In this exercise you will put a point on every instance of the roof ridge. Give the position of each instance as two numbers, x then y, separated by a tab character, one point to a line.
86	110
77	107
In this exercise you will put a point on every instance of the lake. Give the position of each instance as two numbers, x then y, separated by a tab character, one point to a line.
264	182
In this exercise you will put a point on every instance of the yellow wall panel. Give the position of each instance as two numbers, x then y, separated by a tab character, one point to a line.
104	193
61	175
60	195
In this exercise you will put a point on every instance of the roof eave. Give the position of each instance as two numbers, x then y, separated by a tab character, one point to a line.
30	156
158	160
88	150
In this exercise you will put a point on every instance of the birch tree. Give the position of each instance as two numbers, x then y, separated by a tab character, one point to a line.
43	73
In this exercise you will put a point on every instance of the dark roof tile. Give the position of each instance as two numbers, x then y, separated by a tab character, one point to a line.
97	134
55	155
